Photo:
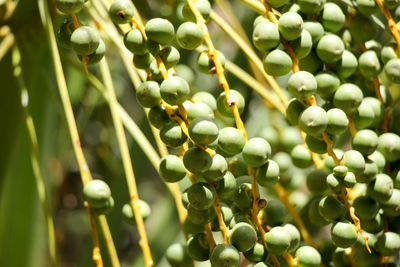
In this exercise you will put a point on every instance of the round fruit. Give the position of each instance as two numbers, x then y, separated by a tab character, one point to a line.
121	11
174	90
277	240
368	64
160	30
172	135
302	45
302	85
344	234
217	170
311	6
295	236
293	111
85	40
290	25
148	94
347	65
243	236
266	36
361	22
277	63
177	255
367	7
64	33
128	214
354	161
207	98
135	42
198	247
333	17
189	35
224	255
143	61
331	208
330	48
203	6
225	107
203	131
158	117
70	6
316	144
96	193
313	120
315	29
96	56
381	188
170	56
301	157
316	182
206	65
201	196
227	187
391	207
327	83
171	168
268	174
337	121
308	256
197	160
256	152
365	142
389	146
256	254
231	140
388	243
348	97
365	207
275	212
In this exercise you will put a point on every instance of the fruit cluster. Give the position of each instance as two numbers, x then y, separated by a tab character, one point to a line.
340	80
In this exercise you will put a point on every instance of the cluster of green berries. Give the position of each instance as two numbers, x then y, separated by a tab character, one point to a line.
340	65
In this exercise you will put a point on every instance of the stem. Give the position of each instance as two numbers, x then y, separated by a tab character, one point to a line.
289	259
127	163
221	222
251	55
34	154
73	131
96	247
391	23
255	5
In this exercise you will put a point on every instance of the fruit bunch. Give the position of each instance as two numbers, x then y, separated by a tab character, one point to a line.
317	182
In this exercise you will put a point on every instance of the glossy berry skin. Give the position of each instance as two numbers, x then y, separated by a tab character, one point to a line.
106	208
129	216
387	53
295	236
203	131
203	6
290	25
206	65
96	193
256	152
277	63
293	111
369	65
201	196
344	234
316	182
95	57
189	35
121	11
174	90
85	40
327	83
217	169
301	157
266	36
389	146
388	243
243	236
348	97
333	18
391	207
365	142
365	207
347	65
207	98
302	85
198	247
177	255
197	160
314	215
308	256
224	255
330	48
64	33
200	217
315	29
160	31
315	144
224	107
226	187
199	110
135	42
360	22
331	208
275	212
381	188
277	240
170	56
158	117
311	6
354	161
143	61
171	169
231	140
70	6
256	254
148	94
172	135
313	120
268	174
302	45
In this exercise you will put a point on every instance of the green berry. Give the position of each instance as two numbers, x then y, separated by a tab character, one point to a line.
174	90
365	142
129	215
256	152
172	135
177	255
217	169
224	255
170	56
277	240
315	29
268	174
337	121
311	6
199	110
333	18
295	236
378	158
369	65
200	217
160	30
197	160
106	208
344	234
143	61
371	169
347	65
96	193
243	236
231	140
367	7
354	161
64	33
316	144
331	208
207	98
70	6
387	53
135	42
392	70
227	187
203	6
148	94
381	188
365	207
198	247
275	212
293	111
121	11
302	85
330	48
311	63
85	40
391	207
301	157
314	215
302	45
256	254
189	35
348	97
277	63
388	243
334	183
361	22
389	146
158	117
171	169
313	120
225	108
377	108
201	196
206	65
290	25
203	131
98	55
266	36
278	3
308	256
243	197
316	182
327	83
374	225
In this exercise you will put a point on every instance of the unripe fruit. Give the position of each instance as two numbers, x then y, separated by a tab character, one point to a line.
344	234
225	108
171	168
85	40
121	11
224	255
189	35
70	6
277	240
203	131
129	216
197	160
96	193
290	25
160	30
243	236
256	152
174	90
